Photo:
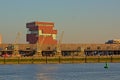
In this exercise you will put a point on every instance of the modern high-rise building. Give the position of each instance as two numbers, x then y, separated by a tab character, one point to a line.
41	32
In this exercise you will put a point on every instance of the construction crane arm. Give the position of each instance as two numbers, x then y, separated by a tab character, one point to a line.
59	42
17	38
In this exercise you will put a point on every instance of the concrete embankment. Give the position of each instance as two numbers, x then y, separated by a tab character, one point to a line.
59	60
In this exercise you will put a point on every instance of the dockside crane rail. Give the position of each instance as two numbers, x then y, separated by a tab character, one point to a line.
59	44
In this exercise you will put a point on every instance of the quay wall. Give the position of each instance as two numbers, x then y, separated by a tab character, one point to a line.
59	60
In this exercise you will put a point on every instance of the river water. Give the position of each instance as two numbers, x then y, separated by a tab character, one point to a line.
83	71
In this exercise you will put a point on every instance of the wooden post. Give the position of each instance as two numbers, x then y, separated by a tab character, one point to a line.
98	58
72	58
85	59
4	60
46	59
59	59
18	60
111	58
32	60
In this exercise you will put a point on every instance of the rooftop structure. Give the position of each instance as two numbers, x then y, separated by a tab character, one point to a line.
41	32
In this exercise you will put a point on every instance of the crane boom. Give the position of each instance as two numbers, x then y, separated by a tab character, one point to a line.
59	44
17	38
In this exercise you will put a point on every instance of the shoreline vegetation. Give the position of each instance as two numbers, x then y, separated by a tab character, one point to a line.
59	60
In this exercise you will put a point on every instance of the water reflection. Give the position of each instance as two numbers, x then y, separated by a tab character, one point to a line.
88	71
42	76
47	72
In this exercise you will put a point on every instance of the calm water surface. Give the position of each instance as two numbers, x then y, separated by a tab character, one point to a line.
86	71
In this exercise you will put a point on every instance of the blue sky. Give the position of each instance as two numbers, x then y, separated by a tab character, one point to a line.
83	21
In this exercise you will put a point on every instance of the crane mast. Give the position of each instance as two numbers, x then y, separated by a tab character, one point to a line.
15	45
39	46
59	44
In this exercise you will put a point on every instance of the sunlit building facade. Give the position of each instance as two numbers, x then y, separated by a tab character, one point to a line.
41	32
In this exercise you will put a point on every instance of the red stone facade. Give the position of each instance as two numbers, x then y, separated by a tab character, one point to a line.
41	32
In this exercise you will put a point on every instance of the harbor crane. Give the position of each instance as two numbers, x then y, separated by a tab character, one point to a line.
59	44
15	45
39	46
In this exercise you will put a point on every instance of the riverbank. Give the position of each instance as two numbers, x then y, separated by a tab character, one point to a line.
59	60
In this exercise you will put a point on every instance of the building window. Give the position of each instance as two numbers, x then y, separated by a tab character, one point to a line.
88	48
98	47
